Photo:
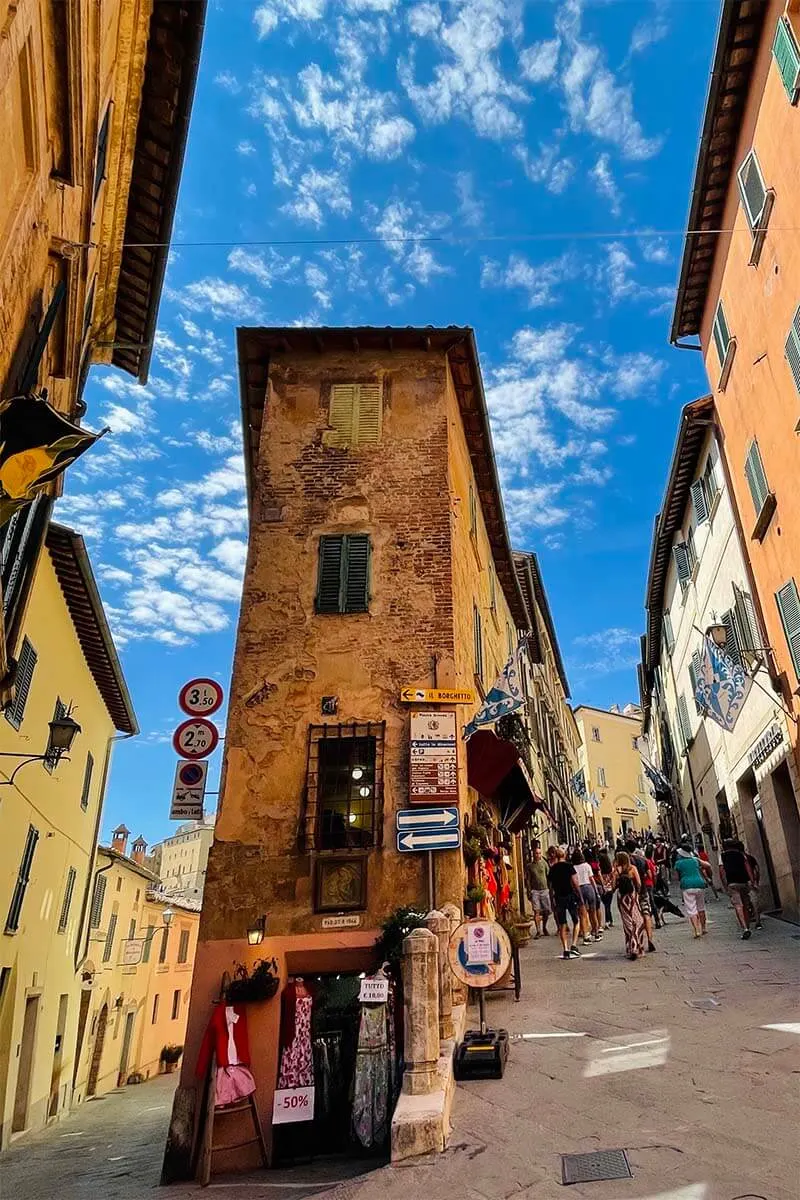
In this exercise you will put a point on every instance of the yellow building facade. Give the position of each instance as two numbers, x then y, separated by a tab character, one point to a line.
613	772
137	975
49	821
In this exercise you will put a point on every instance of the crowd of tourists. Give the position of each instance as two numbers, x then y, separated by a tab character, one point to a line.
577	885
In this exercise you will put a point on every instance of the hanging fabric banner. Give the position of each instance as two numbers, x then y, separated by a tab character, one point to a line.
722	686
505	696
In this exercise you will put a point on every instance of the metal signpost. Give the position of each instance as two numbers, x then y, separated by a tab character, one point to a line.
195	738
200	697
188	791
428	829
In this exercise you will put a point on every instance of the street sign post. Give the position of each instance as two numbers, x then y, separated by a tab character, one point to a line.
430	839
434	758
188	791
411	695
195	738
427	819
200	697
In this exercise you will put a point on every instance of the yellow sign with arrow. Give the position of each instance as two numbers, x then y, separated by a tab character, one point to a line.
411	695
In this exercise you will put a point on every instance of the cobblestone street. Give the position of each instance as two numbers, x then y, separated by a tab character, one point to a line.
668	1058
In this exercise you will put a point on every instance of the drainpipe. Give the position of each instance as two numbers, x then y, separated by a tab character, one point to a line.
82	940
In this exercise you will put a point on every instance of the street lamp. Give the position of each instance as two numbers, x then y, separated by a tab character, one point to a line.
255	933
63	731
166	917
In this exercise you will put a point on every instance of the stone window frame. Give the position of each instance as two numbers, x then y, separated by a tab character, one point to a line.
309	829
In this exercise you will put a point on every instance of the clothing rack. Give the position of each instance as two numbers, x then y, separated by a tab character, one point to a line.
208	1147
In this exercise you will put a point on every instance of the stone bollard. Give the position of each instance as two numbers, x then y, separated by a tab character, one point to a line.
439	926
458	990
421	995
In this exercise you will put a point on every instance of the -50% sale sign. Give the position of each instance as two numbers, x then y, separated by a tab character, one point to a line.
293	1104
195	738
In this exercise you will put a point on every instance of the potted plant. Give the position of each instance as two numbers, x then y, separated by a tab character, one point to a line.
397	926
259	984
472	850
475	896
169	1057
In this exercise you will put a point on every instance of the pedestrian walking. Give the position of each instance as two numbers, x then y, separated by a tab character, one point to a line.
693	886
565	898
737	878
539	891
628	887
606	870
707	870
590	915
639	861
752	895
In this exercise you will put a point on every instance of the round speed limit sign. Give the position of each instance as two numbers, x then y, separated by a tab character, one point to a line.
195	738
200	697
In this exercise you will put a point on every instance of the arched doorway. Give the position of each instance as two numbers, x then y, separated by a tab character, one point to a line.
97	1052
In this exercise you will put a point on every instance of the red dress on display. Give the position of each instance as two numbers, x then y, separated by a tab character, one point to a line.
226	1037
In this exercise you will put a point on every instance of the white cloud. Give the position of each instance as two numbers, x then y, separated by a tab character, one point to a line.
648	31
547	167
317	280
228	82
635	373
656	250
538	63
315	191
424	19
542	345
245	148
232	553
607	651
222	481
403	228
219	297
123	420
266	266
470	208
534	507
540	281
605	183
616	278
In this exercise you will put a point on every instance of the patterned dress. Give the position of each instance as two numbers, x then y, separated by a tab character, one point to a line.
371	1088
297	1060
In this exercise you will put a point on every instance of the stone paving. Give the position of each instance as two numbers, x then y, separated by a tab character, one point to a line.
675	1066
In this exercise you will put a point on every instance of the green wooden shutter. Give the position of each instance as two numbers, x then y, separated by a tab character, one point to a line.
65	907
341	415
25	668
669	636
98	896
478	641
367	415
789	608
787	57
356	573
684	721
329	575
756	478
148	943
473	510
710	481
87	780
746	622
721	333
732	648
751	189
695	667
23	878
680	553
699	503
792	348
109	943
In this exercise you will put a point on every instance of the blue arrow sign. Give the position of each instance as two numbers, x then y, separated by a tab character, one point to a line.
429	839
427	818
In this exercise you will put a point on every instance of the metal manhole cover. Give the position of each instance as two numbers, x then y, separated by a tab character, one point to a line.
591	1168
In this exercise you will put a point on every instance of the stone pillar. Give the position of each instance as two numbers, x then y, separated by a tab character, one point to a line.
421	995
458	990
439	926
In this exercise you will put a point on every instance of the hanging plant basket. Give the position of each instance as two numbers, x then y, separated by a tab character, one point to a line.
247	987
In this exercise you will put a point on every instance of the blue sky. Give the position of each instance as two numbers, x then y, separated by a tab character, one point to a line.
548	149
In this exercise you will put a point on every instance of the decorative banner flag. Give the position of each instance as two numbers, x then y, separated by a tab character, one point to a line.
640	804
722	686
36	445
595	800
504	697
578	782
658	780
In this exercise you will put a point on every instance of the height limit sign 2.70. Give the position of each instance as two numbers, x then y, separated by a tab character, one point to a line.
194	740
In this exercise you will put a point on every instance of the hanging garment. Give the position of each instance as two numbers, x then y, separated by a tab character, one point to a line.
222	1038
328	1075
235	1081
297	1061
371	1087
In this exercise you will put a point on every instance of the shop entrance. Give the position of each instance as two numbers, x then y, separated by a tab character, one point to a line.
325	1052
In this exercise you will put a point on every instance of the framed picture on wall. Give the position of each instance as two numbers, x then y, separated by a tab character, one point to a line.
340	884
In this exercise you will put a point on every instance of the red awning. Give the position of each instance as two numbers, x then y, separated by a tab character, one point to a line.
489	760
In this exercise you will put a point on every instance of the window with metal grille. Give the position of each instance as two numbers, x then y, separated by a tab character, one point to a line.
50	760
87	780
344	787
343	575
110	935
98	896
792	348
477	638
176	1003
25	668
66	903
148	943
756	477
162	954
788	602
786	53
355	415
183	946
101	155
752	190
23	878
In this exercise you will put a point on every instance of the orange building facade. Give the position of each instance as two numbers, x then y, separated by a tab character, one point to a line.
739	292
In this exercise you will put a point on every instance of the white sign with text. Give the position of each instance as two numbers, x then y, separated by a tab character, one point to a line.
479	944
293	1104
374	991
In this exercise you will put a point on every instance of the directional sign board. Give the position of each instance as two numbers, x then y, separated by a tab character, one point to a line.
195	738
434	758
410	695
200	697
428	829
188	791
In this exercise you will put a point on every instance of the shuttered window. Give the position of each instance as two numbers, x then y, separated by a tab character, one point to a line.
721	334
680	554
473	511
110	934
162	953
710	481
148	943
25	668
732	648
66	903
343	574
87	781
355	415
183	946
23	878
601	777
477	632
669	636
746	623
684	722
756	477
694	676
752	189
98	896
492	590
699	501
792	348
102	152
789	608
787	57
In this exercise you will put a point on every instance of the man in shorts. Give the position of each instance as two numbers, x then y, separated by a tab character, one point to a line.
538	890
566	901
737	879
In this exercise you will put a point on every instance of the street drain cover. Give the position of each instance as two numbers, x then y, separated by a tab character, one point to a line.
591	1168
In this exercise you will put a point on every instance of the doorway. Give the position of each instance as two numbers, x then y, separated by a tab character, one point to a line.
789	818
27	1045
97	1052
58	1056
83	1013
126	1048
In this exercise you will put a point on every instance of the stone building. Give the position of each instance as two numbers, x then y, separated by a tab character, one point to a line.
180	861
739	297
612	768
379	563
50	813
94	107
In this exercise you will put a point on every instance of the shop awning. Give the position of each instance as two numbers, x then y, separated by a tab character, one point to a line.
496	770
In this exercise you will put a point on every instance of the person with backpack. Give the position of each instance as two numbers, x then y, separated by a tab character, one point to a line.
737	879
